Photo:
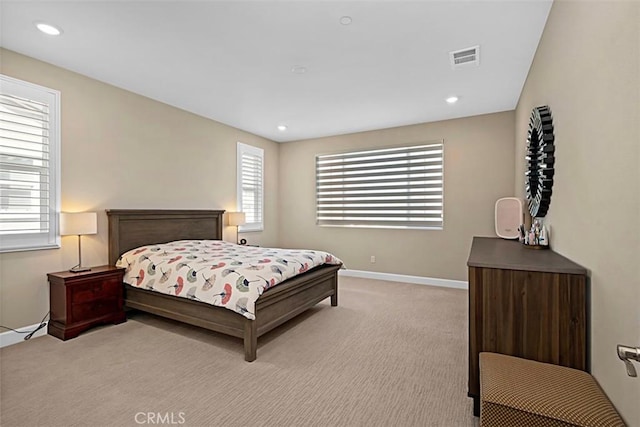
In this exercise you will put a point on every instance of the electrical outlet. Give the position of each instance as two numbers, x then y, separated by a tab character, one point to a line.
373	259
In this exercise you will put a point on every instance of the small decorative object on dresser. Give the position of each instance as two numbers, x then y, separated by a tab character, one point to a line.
508	215
79	301
537	237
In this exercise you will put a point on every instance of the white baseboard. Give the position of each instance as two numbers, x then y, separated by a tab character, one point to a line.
418	280
10	337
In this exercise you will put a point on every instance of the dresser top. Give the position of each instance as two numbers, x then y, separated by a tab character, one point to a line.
491	252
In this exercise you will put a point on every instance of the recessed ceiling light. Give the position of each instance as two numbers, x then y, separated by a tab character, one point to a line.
48	29
282	128
298	69
346	20
452	99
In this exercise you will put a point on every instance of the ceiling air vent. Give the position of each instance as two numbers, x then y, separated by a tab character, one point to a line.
465	57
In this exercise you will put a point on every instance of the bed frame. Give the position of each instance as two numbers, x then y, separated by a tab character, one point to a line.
129	229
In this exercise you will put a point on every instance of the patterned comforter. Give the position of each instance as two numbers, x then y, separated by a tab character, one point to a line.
216	272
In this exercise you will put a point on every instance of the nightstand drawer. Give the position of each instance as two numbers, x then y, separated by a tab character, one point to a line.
94	309
96	290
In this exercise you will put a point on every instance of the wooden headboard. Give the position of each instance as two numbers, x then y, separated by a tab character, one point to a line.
129	229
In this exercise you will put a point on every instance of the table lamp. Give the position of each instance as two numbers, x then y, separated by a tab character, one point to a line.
237	219
79	224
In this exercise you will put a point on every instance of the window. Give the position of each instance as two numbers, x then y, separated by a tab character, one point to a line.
386	188
251	186
29	166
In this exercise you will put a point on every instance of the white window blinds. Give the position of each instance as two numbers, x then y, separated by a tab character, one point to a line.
251	186
388	188
29	166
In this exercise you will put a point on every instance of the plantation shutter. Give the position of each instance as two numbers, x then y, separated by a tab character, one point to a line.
28	166
389	188
251	182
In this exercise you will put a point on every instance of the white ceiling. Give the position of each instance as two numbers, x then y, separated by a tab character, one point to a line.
231	61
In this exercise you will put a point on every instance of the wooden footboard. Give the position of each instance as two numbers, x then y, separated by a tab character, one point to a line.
273	308
287	300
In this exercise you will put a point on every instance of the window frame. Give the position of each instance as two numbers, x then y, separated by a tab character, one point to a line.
243	149
369	160
50	239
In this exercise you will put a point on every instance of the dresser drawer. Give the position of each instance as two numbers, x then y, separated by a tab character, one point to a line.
92	291
94	309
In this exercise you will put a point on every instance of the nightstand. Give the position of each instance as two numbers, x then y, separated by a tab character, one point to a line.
79	301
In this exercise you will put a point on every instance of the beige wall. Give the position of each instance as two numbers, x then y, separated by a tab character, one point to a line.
587	70
121	150
478	170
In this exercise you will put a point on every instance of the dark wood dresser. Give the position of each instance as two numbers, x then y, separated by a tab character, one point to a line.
79	301
527	303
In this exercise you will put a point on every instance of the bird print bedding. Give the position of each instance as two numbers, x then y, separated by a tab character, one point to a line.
216	272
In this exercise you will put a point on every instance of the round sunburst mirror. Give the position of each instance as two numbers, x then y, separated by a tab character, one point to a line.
540	161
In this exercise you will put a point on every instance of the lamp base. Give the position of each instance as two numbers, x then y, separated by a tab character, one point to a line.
79	269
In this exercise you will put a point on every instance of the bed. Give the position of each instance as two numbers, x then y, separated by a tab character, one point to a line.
129	229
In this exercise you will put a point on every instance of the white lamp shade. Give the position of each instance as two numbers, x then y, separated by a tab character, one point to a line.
78	223
237	218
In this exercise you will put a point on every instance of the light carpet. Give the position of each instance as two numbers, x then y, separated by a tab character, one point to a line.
391	354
